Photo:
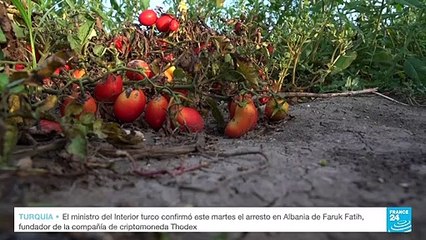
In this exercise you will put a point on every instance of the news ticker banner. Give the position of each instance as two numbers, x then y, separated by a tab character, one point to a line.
212	219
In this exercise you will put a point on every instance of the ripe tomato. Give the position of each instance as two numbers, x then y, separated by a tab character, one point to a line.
47	126
156	112
78	73
238	27
148	17
276	109
89	105
109	89
58	71
163	23
141	65
243	120
19	67
174	25
120	43
189	119
169	58
271	49
129	105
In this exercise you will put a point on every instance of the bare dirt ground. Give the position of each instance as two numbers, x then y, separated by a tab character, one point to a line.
357	151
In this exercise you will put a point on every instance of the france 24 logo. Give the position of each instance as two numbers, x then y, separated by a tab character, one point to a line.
399	219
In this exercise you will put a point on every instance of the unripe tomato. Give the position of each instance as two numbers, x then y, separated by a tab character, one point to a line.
129	105
174	25
156	112
276	109
148	17
163	23
109	89
169	73
141	65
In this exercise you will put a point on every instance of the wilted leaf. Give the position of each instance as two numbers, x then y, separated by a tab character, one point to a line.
52	63
217	114
49	103
116	134
249	72
415	69
78	146
73	109
344	62
87	118
14	103
8	140
19	31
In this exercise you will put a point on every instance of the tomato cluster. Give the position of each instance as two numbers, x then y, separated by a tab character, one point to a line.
145	88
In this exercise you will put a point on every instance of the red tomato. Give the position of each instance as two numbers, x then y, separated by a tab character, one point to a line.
163	23
138	64
89	105
109	89
244	116
238	27
47	126
189	119
120	43
19	67
174	25
156	112
148	17
169	58
129	105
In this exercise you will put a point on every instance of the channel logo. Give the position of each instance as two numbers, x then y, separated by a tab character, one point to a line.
399	219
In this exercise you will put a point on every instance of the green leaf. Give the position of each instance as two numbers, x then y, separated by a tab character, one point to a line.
78	146
2	37
217	114
19	31
99	50
70	4
411	3
26	15
415	69
85	30
4	80
145	4
384	57
344	62
179	74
